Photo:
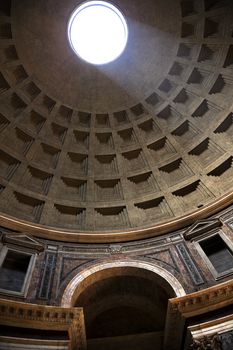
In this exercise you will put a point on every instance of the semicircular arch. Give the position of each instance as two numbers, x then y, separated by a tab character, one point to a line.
102	270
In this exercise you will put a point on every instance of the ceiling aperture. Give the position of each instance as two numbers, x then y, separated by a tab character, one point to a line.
97	32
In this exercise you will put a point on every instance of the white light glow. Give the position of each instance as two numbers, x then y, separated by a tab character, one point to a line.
97	32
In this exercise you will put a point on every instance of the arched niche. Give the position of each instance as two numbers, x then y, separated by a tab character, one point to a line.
124	302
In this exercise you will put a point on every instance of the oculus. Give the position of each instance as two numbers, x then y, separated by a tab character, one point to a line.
97	32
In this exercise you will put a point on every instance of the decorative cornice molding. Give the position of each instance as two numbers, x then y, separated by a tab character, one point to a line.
22	240
195	304
219	332
198	302
18	314
200	227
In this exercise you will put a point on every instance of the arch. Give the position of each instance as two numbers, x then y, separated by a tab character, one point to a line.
104	270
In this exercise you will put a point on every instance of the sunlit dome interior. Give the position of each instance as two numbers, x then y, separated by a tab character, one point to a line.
115	152
116	174
97	32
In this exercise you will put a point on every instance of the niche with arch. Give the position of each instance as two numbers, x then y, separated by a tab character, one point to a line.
125	306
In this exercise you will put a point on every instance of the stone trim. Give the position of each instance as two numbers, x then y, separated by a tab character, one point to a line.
18	314
212	342
28	274
21	240
200	227
72	290
203	255
194	304
218	332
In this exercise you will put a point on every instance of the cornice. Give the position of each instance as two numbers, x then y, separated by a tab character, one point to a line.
195	304
19	314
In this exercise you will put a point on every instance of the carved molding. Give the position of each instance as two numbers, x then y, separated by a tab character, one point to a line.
200	227
194	304
22	240
212	342
115	249
204	300
18	314
218	331
107	269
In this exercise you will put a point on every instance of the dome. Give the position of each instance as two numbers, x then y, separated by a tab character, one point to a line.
116	191
121	151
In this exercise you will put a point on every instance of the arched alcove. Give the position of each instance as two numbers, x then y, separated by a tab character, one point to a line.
124	302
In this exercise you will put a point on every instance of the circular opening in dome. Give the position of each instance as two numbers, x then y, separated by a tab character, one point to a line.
97	32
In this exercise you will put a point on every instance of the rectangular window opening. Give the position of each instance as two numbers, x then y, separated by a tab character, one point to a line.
218	253
13	270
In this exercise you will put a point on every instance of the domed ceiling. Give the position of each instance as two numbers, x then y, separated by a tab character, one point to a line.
122	151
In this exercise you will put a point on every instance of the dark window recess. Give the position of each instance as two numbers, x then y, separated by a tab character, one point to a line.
218	253
13	271
8	331
5	7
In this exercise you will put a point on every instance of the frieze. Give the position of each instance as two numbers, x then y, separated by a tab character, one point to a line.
222	293
212	342
142	246
115	249
24	315
181	309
